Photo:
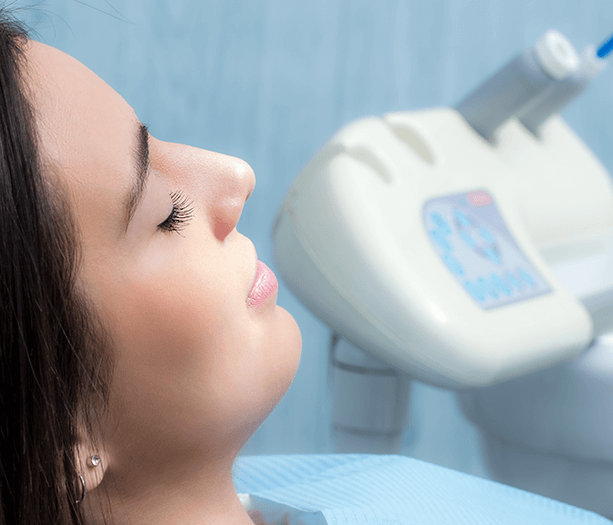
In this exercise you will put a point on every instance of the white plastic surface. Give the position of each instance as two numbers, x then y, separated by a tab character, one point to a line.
371	400
566	410
350	242
590	64
551	432
584	484
556	54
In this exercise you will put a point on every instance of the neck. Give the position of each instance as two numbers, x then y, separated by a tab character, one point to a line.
188	496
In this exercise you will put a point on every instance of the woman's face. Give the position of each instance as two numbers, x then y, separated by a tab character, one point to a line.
198	363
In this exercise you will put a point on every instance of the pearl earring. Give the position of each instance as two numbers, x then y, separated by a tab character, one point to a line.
93	461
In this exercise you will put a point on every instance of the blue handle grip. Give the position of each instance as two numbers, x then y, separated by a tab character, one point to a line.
605	48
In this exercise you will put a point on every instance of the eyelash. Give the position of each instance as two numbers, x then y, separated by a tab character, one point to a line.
182	212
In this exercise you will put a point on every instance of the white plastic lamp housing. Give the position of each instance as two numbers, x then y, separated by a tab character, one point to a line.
556	54
355	241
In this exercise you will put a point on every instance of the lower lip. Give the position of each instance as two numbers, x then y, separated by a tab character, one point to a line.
264	286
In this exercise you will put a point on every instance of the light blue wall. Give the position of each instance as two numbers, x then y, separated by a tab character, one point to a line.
270	81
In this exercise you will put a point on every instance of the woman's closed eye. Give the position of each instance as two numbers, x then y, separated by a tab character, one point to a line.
180	215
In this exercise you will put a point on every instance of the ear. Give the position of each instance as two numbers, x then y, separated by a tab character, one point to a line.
91	461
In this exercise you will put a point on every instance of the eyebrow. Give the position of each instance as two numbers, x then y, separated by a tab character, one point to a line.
141	161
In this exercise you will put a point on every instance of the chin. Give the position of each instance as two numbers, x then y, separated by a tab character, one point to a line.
292	343
284	364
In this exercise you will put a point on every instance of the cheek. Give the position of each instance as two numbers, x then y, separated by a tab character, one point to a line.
175	321
191	359
161	317
187	348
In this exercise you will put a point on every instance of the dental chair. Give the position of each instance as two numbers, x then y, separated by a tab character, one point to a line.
475	256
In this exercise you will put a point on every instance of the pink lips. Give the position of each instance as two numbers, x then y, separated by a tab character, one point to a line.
264	285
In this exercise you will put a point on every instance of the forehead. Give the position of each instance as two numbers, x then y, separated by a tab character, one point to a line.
87	133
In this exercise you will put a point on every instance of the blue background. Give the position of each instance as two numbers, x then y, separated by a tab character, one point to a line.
270	81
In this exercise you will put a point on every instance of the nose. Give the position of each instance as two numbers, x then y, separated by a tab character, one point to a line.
218	184
236	181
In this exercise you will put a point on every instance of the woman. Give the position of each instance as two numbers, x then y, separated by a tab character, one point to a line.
141	343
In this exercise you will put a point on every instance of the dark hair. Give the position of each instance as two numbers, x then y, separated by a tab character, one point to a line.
54	363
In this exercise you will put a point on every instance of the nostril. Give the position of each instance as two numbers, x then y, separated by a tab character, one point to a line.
222	229
226	213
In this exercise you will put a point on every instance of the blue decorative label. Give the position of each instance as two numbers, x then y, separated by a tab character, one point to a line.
472	240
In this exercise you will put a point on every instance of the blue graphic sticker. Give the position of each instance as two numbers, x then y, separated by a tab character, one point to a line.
472	240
